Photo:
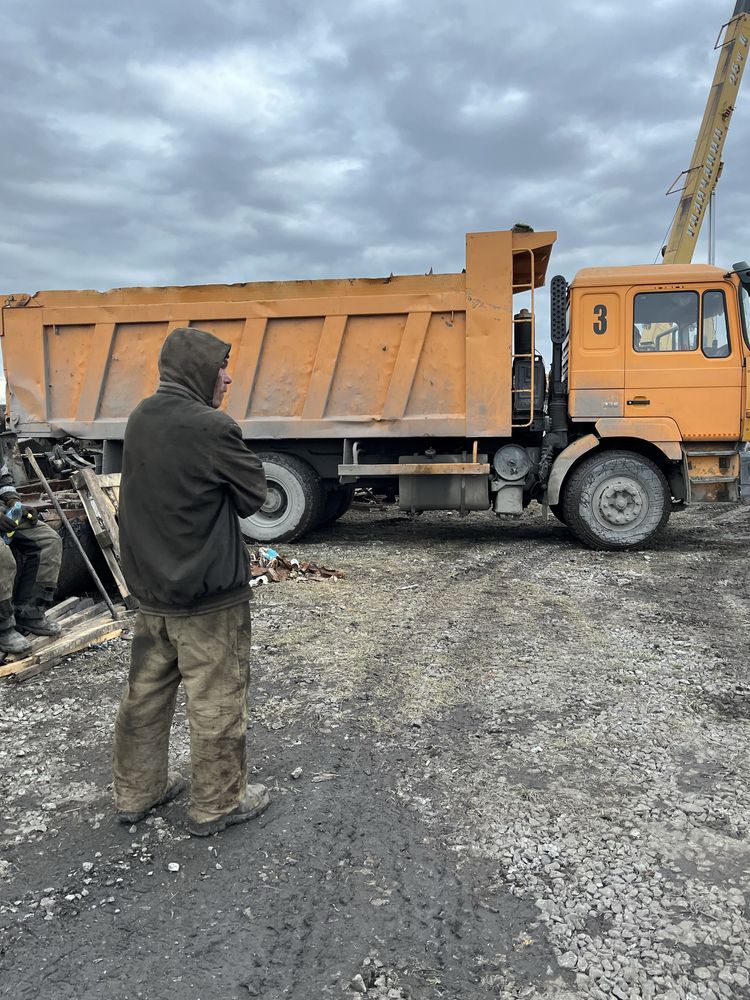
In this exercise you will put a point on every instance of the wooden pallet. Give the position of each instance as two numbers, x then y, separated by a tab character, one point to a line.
84	624
100	496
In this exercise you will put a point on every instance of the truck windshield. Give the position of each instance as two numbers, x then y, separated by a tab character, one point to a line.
745	300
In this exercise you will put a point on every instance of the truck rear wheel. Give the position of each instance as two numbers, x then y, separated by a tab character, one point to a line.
293	504
616	500
336	504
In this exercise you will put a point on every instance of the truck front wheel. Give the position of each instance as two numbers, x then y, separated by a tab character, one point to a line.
294	501
616	500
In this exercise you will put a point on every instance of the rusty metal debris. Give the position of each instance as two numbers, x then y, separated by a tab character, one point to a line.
83	622
269	566
61	514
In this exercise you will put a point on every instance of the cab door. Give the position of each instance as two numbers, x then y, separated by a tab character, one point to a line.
684	360
744	293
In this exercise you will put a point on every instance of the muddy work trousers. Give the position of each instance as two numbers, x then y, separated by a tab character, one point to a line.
28	587
210	655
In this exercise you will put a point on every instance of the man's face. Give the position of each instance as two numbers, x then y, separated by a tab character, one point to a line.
223	381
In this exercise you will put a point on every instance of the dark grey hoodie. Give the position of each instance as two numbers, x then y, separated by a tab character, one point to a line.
187	476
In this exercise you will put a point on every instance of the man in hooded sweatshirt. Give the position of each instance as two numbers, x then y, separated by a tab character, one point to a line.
187	476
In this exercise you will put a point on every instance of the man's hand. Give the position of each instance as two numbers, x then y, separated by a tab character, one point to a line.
29	515
7	523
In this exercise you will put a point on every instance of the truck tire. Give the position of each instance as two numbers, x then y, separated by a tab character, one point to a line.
556	509
616	500
337	503
294	502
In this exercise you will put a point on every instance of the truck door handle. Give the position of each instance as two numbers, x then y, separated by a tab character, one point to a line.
639	401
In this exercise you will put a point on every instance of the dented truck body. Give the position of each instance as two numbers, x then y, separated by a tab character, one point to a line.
431	384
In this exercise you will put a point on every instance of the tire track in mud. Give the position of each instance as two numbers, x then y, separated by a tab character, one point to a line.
338	871
489	700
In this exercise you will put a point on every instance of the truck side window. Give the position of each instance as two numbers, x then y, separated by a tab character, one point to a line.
715	333
745	302
665	321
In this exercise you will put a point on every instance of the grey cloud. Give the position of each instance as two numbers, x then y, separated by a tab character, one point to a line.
186	142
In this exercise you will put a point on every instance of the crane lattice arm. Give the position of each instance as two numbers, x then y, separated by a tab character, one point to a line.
705	167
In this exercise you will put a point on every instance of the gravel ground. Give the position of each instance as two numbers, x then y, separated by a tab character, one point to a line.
501	765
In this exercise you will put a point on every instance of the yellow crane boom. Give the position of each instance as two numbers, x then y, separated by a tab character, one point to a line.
702	175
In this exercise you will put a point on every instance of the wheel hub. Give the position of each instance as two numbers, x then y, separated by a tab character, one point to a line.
620	503
275	501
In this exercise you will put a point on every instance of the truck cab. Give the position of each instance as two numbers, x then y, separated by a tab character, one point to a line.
657	372
663	344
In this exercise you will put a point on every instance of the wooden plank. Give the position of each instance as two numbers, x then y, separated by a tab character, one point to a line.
108	480
96	633
100	533
84	605
113	495
103	505
114	568
33	671
63	608
100	512
89	614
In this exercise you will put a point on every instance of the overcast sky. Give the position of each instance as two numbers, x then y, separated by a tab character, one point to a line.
183	141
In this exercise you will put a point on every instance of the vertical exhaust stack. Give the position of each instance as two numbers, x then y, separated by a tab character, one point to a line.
557	401
556	437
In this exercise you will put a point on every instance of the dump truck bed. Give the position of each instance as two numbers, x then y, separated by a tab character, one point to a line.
402	356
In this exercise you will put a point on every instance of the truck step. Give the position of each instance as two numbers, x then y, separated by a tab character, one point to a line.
714	479
713	453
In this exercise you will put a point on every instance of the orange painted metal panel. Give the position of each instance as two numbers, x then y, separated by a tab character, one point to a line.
131	373
701	394
596	376
324	368
437	389
404	370
68	356
99	358
402	356
26	371
285	367
365	367
663	432
243	366
489	333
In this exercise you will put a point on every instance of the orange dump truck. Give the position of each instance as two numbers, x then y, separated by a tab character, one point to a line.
431	384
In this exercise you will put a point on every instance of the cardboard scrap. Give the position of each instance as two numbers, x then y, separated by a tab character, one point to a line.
269	566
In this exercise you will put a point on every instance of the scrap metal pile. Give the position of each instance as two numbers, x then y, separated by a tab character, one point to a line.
269	566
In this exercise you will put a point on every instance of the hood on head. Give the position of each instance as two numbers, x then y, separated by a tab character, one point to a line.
192	358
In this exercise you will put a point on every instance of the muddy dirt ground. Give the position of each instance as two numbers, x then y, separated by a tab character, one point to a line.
524	773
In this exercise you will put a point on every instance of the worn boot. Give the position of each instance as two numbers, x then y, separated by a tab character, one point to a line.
255	801
13	642
175	784
39	626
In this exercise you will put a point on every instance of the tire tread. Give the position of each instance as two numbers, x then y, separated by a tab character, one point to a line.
624	462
